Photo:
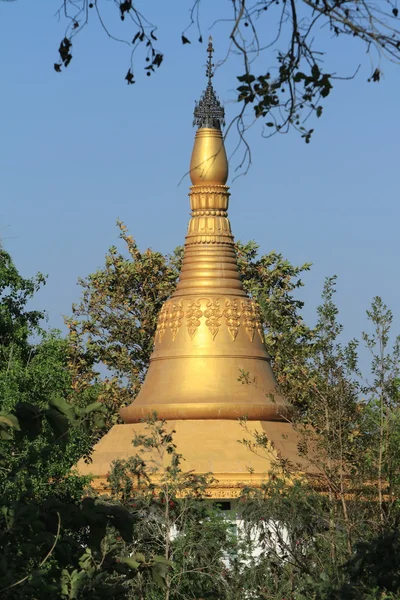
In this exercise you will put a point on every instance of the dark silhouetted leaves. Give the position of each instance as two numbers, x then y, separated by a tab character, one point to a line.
125	7
129	77
376	75
64	51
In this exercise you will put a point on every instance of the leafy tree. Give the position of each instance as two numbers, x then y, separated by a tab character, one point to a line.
112	328
16	321
54	541
326	523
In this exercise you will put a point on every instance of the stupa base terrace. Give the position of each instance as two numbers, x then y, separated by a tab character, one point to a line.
207	446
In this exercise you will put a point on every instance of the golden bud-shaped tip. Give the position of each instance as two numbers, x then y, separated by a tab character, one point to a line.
208	164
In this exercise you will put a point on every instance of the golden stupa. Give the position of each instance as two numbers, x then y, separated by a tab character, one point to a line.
208	335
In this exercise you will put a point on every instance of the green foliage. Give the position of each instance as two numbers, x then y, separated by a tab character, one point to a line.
114	323
328	525
34	396
53	543
273	281
16	322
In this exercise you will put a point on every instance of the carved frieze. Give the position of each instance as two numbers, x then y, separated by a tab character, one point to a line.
163	319
213	314
218	489
249	318
232	316
226	239
235	313
206	229
209	197
252	319
208	213
193	316
175	318
259	326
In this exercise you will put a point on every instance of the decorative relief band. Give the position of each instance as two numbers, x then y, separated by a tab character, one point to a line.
209	188
249	318
193	316
208	213
213	314
252	319
209	225
191	239
175	318
232	315
235	312
224	489
162	322
209	197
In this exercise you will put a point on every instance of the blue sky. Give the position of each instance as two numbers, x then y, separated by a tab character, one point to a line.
80	149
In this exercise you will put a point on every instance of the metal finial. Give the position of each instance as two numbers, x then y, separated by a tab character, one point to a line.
210	50
208	111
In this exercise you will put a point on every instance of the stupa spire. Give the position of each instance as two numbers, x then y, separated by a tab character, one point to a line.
208	111
209	331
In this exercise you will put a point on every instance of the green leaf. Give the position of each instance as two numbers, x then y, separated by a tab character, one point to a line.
158	574
139	557
9	420
77	581
163	560
58	422
66	409
30	419
27	411
99	422
131	562
95	407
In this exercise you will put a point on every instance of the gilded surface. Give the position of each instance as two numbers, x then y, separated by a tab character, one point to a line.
232	316
206	335
207	446
249	318
213	315
216	491
163	319
209	330
209	311
208	164
204	197
193	316
175	318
